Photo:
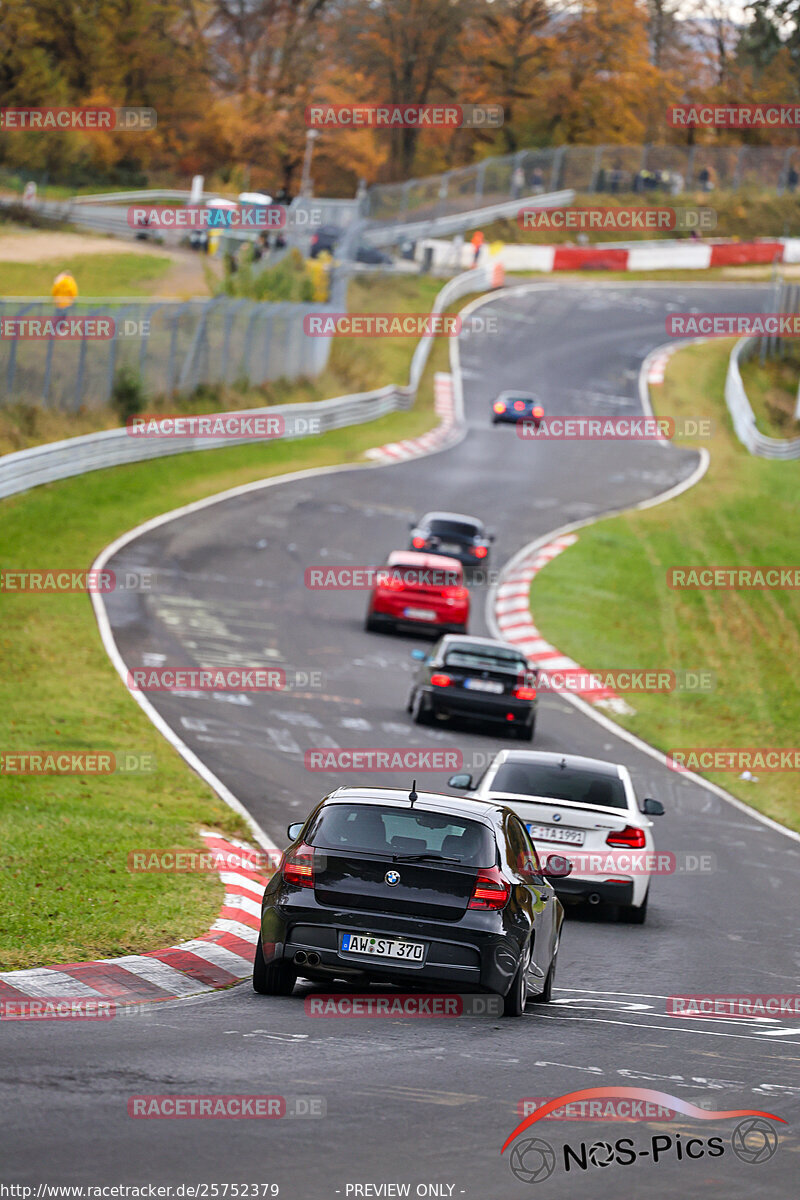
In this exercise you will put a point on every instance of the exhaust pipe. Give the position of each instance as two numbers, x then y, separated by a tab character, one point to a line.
594	898
312	959
300	957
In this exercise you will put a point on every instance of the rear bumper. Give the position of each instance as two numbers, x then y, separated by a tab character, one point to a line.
480	706
481	957
451	616
573	891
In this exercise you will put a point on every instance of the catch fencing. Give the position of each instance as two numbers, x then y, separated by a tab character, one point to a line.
60	460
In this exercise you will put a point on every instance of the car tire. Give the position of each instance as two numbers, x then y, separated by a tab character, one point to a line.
372	624
525	732
272	979
632	915
516	997
420	714
546	994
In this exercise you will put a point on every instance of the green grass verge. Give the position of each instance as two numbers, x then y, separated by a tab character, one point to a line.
67	893
96	274
772	391
605	601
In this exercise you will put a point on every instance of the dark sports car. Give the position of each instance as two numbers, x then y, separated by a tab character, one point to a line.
452	534
479	678
385	886
510	407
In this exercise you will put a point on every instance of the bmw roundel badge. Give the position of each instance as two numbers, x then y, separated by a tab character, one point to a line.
392	878
556	816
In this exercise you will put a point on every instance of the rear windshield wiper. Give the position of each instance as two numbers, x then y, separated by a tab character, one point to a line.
425	858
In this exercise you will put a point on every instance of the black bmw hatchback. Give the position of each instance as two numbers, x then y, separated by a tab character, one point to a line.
393	887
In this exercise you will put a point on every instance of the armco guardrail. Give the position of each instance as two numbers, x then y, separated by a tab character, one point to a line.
114	447
742	415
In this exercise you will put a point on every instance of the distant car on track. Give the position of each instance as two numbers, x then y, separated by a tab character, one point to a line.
454	534
584	805
385	886
510	407
419	591
477	678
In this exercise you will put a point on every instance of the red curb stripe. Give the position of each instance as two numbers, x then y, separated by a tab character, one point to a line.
238	889
230	941
241	915
112	981
195	967
7	992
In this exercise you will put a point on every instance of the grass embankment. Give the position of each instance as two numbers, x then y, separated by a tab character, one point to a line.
606	603
772	390
355	364
743	215
105	275
67	894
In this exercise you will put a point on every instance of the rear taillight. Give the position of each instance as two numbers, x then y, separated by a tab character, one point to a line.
393	582
418	543
441	680
491	890
314	239
630	837
455	593
519	405
538	411
499	407
481	551
298	866
525	693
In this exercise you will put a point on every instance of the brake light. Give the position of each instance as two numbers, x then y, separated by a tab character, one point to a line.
314	239
491	890
525	693
393	582
519	405
499	407
418	543
441	680
481	551
298	867
455	593
630	837
538	411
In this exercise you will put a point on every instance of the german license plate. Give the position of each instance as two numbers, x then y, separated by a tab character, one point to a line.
450	547
484	685
556	833
420	614
364	943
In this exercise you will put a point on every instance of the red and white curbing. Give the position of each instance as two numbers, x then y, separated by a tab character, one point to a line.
435	439
513	615
216	959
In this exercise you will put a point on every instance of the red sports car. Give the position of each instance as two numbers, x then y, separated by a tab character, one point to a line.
419	590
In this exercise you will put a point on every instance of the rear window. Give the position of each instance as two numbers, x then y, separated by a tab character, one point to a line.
454	529
374	829
414	576
560	783
476	658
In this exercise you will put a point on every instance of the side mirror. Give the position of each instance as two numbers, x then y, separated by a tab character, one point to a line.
419	655
653	808
295	829
463	782
557	867
411	525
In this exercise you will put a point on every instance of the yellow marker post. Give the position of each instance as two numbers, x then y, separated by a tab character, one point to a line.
64	290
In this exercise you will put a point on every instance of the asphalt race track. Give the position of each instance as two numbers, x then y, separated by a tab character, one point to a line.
413	1101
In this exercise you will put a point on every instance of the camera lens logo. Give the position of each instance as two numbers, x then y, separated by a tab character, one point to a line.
754	1140
533	1160
601	1154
